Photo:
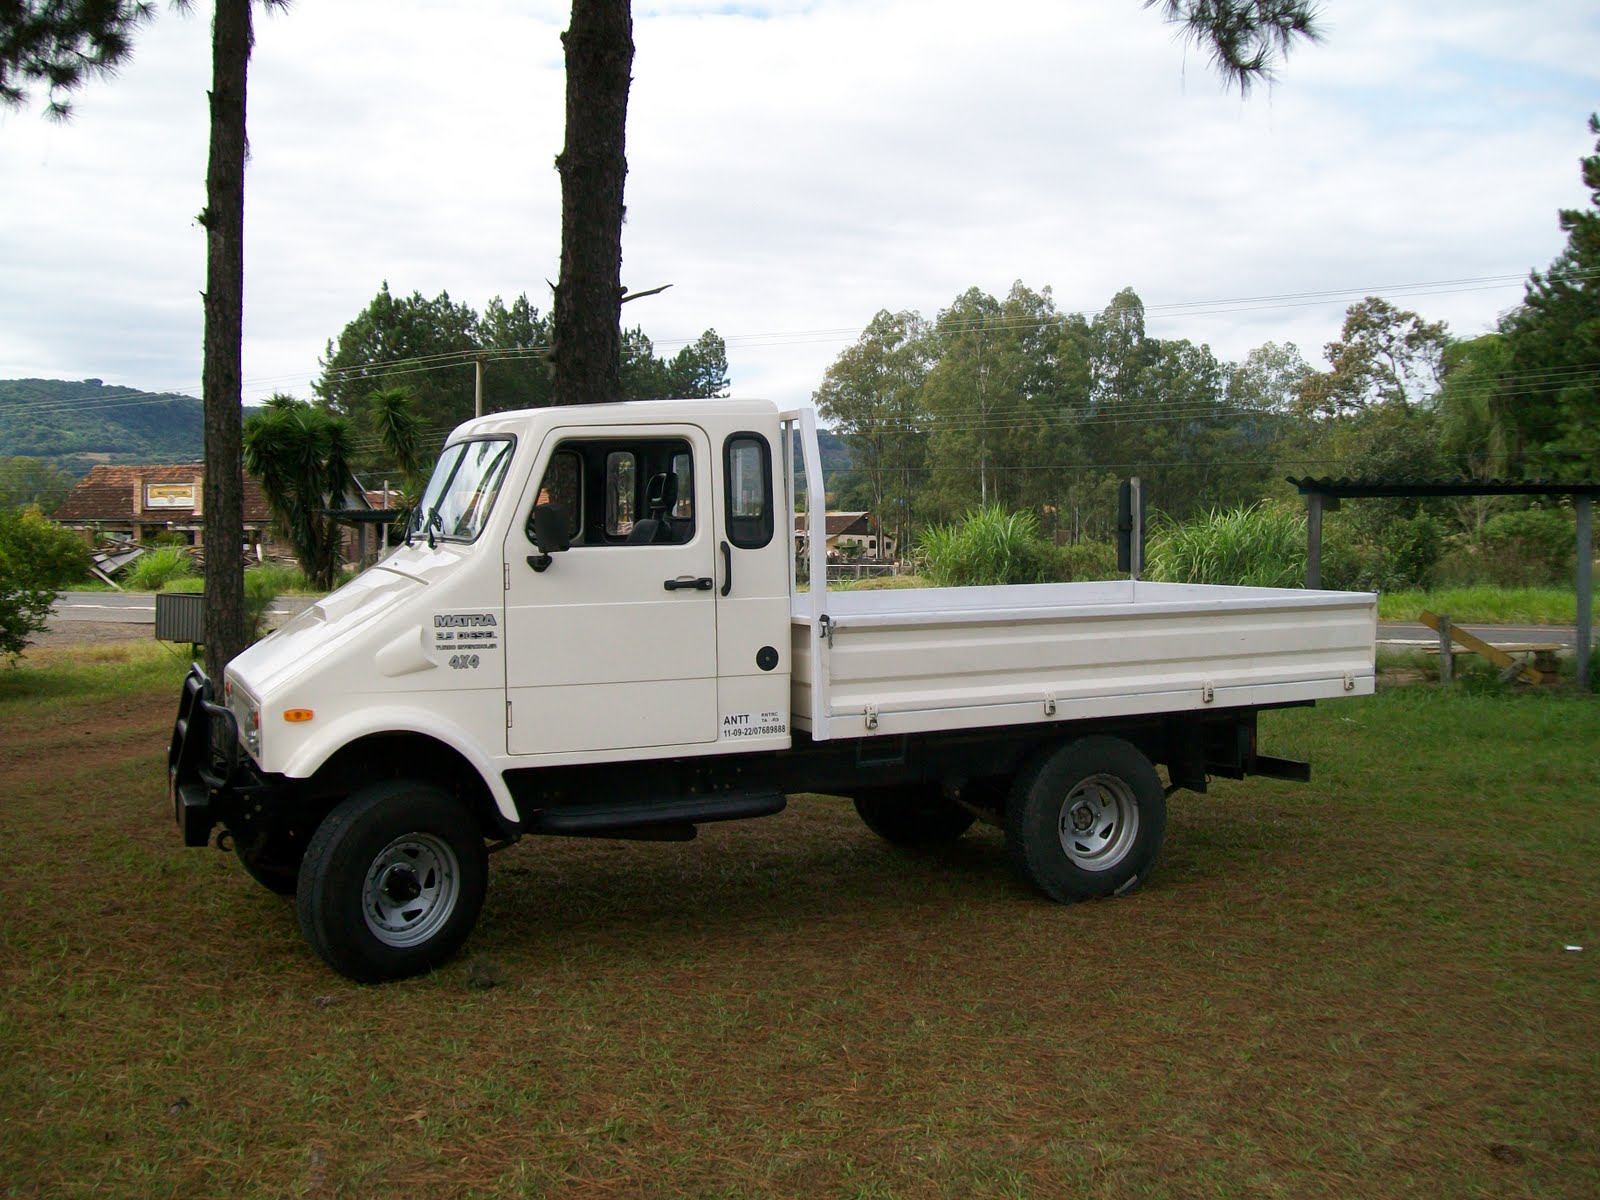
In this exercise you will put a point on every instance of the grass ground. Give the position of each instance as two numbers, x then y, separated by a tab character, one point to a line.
1356	987
1486	605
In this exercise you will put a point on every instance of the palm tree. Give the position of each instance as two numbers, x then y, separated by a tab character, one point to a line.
301	454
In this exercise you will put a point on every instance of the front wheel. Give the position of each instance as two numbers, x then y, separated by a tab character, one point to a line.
392	882
1086	820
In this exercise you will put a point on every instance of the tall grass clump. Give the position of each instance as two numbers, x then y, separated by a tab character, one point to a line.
155	569
991	546
1258	546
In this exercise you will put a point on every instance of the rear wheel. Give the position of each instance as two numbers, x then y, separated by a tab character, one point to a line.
1086	820
915	815
392	882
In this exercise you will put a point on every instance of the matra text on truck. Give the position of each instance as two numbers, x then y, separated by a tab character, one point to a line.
594	628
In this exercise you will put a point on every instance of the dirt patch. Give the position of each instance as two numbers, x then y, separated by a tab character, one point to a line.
91	633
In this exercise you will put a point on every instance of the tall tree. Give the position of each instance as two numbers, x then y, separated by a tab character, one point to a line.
424	346
1246	38
221	371
1552	380
872	395
1383	356
63	44
593	165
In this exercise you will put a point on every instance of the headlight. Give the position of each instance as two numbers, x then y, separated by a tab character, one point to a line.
252	729
247	713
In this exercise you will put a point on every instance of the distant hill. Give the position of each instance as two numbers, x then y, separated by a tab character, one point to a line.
76	424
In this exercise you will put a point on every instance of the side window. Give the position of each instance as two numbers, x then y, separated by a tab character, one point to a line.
747	471
622	485
683	472
563	485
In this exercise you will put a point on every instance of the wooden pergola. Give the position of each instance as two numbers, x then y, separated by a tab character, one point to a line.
1324	495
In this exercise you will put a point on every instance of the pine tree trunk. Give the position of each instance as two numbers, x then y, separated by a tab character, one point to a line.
224	336
593	166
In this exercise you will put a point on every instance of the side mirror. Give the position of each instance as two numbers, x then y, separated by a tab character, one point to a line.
547	529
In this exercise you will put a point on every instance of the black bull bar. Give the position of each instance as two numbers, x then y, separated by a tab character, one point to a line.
202	758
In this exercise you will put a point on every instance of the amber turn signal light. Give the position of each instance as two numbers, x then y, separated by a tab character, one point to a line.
295	715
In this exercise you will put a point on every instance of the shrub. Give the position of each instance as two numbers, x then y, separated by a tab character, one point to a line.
1538	544
1084	560
991	546
1401	556
36	558
155	569
260	590
1259	546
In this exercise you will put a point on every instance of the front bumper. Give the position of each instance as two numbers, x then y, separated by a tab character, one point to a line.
203	768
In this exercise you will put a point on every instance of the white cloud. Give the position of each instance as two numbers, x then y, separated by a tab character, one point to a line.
794	167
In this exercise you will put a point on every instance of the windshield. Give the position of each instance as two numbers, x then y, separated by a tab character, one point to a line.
463	488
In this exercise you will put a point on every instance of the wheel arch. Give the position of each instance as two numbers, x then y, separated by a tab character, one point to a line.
412	754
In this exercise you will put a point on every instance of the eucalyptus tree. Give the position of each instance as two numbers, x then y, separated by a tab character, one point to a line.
871	395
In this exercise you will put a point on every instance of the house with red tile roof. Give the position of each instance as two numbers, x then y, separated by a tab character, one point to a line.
137	502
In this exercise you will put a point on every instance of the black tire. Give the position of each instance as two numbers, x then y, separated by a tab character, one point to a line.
1086	820
915	815
392	882
274	865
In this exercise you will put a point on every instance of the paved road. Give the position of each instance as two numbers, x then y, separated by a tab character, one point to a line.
1394	631
136	608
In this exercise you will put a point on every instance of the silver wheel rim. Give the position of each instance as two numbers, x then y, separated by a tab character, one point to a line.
411	889
1099	822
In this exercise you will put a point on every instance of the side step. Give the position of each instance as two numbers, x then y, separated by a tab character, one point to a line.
627	818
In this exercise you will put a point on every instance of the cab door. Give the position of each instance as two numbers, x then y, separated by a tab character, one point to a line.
612	643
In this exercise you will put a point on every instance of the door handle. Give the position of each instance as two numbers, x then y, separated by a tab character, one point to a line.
684	582
727	569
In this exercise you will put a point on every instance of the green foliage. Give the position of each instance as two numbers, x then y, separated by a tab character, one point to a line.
260	590
301	455
1383	356
58	419
1258	546
156	569
1083	561
1552	381
700	369
1484	604
36	560
62	44
32	482
428	348
992	546
1245	38
1396	555
1543	541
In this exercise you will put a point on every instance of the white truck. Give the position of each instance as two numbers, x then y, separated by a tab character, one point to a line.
595	629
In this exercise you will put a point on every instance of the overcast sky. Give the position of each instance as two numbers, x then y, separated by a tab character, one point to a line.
796	166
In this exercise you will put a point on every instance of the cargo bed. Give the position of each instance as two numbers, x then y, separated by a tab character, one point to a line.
915	660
